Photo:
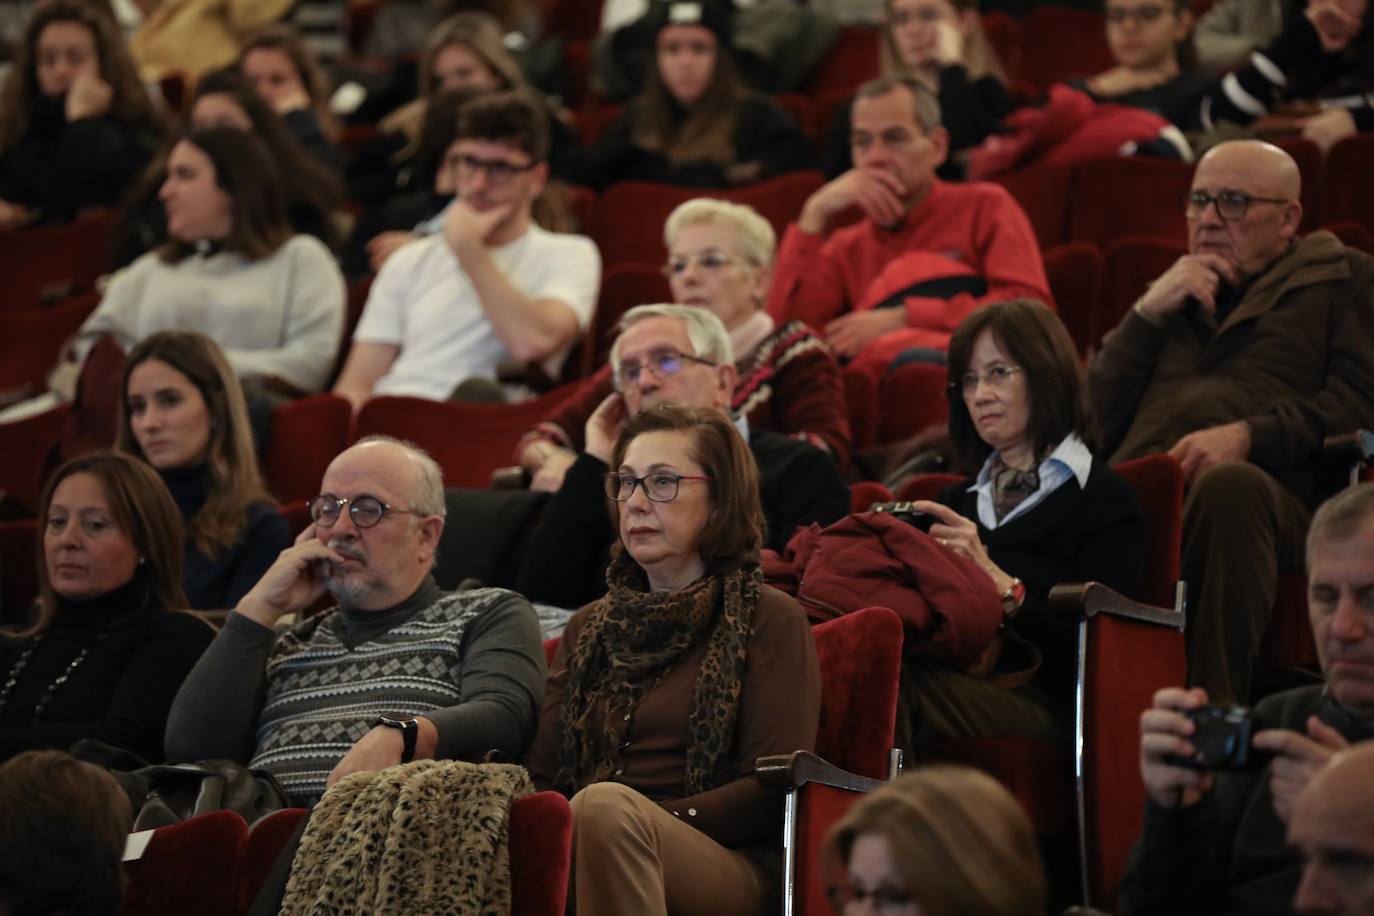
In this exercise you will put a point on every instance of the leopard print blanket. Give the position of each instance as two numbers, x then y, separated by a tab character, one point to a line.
428	837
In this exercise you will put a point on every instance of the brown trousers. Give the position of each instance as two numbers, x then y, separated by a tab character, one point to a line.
632	857
1241	529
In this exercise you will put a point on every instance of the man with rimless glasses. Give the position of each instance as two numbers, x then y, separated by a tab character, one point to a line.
397	671
492	288
1238	361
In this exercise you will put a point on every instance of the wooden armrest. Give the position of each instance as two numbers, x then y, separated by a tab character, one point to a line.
1350	447
1087	599
794	770
510	478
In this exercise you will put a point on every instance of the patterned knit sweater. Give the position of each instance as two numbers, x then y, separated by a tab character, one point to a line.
322	696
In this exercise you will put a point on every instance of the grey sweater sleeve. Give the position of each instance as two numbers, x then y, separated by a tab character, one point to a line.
215	713
502	682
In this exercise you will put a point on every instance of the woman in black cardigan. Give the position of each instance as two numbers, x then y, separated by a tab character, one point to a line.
1042	510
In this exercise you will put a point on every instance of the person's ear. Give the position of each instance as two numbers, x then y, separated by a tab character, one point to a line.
939	141
1290	219
431	530
727	377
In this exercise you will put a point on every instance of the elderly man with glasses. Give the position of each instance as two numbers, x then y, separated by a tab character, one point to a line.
397	671
1238	361
677	354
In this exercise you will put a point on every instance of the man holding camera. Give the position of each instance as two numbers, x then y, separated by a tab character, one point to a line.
1214	839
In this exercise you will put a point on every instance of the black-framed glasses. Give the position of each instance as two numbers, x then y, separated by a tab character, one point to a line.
997	377
1230	204
365	511
883	898
499	171
925	16
1144	15
707	260
660	486
664	362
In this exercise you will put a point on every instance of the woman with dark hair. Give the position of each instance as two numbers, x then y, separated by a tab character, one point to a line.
109	649
941	45
281	70
694	124
76	126
273	300
1041	510
184	413
663	694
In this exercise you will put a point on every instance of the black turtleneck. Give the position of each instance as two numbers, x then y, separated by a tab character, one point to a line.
212	583
120	693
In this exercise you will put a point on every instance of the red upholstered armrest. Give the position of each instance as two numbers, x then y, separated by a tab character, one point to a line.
794	770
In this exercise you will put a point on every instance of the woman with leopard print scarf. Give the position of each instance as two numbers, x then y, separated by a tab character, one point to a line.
663	693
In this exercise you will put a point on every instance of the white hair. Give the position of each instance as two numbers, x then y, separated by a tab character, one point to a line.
705	330
757	240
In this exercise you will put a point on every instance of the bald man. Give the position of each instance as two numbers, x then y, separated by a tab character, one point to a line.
1238	361
1333	828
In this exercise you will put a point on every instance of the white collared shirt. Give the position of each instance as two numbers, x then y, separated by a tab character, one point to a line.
1070	459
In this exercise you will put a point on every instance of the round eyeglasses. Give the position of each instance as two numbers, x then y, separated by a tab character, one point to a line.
365	511
664	362
849	898
996	377
661	487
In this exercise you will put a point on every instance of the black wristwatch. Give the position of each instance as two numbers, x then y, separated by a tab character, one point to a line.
410	729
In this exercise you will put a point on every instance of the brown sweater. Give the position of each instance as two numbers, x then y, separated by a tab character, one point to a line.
1294	359
779	712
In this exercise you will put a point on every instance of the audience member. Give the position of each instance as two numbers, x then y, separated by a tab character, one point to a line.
231	269
403	27
1042	510
938	841
663	694
110	646
1333	827
493	288
694	123
940	44
276	64
191	37
1213	841
314	193
398	671
666	354
185	415
1238	361
76	127
1156	63
1229	31
925	253
63	825
1325	54
719	257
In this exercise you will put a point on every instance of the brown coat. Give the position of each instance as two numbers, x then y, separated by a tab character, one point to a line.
779	712
1294	359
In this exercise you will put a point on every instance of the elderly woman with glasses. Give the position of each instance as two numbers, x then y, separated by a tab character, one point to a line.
663	694
1041	510
720	257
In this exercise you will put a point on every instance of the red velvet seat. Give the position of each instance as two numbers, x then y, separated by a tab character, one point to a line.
1075	274
622	288
592	124
306	435
43	330
1129	265
1353	234
1004	35
18	570
1349	191
864	493
1061	44
854	59
1311	165
297	515
1132	195
1045	193
51	263
801	110
912	398
22	460
195	867
468	440
861	400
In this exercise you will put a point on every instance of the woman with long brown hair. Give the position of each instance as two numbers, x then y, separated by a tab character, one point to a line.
278	66
108	651
185	415
76	125
694	124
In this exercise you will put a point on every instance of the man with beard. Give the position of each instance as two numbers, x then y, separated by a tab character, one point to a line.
397	671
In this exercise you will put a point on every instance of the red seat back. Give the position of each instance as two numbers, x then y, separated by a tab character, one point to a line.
1158	484
18	571
23	459
540	854
192	867
861	400
1130	195
51	263
1310	159
1353	234
801	110
860	657
305	436
1349	191
855	58
1129	265
913	398
865	493
1044	192
1004	36
622	288
267	837
43	330
1061	44
1075	274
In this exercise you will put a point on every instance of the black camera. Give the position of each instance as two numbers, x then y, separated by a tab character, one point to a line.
1221	739
903	510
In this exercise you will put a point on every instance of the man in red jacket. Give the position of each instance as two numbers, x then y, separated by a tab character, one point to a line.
924	254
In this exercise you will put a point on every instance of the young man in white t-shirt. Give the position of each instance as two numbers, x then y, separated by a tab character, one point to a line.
493	287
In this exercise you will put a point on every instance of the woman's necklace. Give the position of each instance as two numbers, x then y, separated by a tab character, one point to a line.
22	662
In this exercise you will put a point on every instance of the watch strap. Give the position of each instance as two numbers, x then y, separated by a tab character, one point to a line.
409	729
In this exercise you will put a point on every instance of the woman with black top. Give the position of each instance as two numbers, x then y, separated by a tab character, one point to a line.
694	124
939	43
110	648
1042	510
280	69
76	125
185	415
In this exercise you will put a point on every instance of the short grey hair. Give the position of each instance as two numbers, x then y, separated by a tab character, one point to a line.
428	497
927	105
705	330
757	240
1341	517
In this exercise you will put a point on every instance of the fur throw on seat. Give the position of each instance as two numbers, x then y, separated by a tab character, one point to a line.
427	837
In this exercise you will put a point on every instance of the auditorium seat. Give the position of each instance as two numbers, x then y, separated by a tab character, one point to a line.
622	288
1061	44
1004	35
855	58
1349	192
1310	160
801	110
194	867
911	398
1129	265
23	459
305	436
1075	274
1129	195
42	331
1045	193
51	263
18	571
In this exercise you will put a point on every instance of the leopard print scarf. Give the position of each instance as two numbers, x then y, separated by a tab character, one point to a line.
631	640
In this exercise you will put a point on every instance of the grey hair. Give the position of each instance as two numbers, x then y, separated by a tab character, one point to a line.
757	240
1341	517
927	105
705	330
429	491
